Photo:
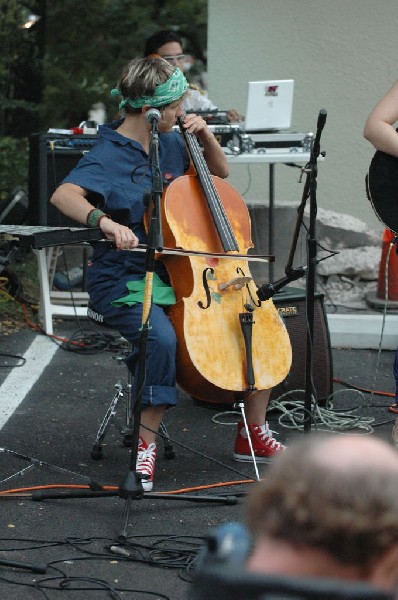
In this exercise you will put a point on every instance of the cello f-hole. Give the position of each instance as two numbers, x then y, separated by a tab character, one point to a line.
253	301
206	288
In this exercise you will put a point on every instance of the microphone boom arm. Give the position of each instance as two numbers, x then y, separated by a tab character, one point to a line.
265	292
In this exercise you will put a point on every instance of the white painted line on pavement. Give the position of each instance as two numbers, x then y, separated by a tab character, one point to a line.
21	379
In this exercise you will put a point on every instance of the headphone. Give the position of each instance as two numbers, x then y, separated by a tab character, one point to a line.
228	544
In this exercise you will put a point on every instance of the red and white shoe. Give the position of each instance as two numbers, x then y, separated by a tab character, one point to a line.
265	446
146	457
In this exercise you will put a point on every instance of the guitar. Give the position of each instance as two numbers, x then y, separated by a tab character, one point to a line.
382	188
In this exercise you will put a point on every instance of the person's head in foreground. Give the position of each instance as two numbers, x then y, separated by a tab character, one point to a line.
328	507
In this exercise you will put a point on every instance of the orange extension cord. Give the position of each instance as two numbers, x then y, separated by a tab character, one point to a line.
393	408
25	491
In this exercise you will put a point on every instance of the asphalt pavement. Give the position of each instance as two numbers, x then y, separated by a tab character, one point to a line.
115	544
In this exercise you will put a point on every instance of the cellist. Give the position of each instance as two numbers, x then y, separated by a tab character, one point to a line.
107	189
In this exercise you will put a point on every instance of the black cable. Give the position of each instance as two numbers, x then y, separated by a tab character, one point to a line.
249	183
65	584
383	423
171	551
16	356
88	341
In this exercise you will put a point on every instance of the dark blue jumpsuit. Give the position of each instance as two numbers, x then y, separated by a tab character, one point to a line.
117	176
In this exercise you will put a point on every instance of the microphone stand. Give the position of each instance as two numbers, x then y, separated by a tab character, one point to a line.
311	184
131	486
267	291
310	188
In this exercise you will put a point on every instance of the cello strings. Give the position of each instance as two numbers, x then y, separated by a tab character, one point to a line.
213	196
211	193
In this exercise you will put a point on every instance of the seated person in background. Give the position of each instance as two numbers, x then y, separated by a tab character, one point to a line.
168	44
328	507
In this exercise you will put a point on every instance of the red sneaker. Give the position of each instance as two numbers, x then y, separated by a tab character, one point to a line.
146	457
265	446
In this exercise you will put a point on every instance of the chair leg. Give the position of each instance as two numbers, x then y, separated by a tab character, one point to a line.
110	416
125	430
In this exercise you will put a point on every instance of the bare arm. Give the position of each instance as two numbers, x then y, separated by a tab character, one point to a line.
212	151
379	128
71	200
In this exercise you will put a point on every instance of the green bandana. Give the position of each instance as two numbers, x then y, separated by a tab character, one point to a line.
164	93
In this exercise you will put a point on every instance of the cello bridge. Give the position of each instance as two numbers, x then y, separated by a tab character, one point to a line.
237	283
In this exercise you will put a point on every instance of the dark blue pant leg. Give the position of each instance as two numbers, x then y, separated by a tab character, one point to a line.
160	378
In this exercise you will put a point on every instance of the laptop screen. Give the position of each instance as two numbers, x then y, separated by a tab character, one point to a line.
269	105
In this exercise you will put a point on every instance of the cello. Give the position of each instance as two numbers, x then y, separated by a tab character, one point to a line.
229	343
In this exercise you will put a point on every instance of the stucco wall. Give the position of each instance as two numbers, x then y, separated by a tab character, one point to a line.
342	56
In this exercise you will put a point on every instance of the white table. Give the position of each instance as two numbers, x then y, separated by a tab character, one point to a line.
69	303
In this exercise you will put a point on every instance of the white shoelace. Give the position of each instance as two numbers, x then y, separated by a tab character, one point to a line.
267	436
146	460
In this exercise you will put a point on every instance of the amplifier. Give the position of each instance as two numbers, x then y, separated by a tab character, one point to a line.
288	141
51	158
290	304
226	134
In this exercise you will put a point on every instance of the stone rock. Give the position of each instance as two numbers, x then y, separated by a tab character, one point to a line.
338	230
340	290
362	263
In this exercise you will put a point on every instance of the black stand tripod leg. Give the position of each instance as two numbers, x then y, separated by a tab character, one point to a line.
309	309
131	487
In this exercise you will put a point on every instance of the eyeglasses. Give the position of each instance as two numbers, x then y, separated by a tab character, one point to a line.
173	59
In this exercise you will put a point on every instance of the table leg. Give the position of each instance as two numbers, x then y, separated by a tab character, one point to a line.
271	220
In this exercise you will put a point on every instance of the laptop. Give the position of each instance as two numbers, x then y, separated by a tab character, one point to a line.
269	105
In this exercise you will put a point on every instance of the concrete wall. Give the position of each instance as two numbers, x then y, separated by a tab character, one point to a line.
342	55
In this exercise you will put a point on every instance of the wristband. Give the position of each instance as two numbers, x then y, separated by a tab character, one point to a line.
94	217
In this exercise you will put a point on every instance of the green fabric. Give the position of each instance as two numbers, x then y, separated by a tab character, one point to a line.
162	293
164	93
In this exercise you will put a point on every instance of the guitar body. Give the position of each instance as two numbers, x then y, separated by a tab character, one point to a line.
382	188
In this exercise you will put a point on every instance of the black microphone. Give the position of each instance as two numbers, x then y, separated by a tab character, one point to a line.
153	116
265	292
319	127
321	119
